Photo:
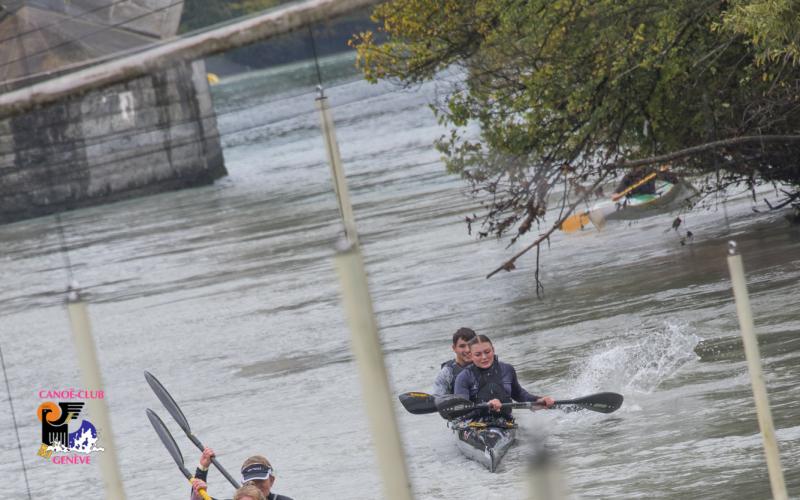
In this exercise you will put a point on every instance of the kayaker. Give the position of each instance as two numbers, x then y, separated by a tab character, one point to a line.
446	377
488	380
248	492
649	187
256	471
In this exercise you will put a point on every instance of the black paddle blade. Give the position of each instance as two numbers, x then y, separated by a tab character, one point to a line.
167	439
453	407
418	403
167	401
603	402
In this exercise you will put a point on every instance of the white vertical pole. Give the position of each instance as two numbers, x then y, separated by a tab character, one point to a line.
753	356
545	479
365	340
374	382
337	171
91	380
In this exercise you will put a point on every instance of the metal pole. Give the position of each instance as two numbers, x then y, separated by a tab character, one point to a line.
374	382
337	171
91	379
545	479
753	356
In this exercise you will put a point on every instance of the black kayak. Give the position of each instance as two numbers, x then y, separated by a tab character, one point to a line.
484	442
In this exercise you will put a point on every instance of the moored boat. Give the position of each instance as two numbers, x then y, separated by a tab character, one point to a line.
486	443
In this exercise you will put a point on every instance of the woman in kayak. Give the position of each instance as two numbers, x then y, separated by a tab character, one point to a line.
488	380
248	492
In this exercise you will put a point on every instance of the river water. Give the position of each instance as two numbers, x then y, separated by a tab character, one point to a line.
227	293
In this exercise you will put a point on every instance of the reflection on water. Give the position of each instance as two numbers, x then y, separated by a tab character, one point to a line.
227	293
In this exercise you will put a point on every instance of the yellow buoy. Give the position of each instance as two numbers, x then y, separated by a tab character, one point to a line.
212	78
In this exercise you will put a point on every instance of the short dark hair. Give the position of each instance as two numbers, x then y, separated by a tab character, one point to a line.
480	338
463	333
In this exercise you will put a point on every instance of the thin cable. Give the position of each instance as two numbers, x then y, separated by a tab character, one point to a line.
138	151
157	148
68	16
16	430
87	35
128	133
316	59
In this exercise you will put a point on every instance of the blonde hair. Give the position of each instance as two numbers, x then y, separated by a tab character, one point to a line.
248	490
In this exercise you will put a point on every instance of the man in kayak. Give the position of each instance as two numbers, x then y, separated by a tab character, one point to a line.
488	380
256	471
637	175
445	379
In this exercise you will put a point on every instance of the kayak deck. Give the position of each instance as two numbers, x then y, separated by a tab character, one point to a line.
486	444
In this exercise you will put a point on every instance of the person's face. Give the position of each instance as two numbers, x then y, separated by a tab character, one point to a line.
461	348
482	354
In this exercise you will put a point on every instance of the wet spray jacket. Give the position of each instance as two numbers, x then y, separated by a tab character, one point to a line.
499	381
446	378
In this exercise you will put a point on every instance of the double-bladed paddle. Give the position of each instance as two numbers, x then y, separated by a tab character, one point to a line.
450	407
603	402
174	410
172	448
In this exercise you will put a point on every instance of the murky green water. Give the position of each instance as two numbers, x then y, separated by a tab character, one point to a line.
228	295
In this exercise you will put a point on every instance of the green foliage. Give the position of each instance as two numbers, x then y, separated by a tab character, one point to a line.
773	27
565	90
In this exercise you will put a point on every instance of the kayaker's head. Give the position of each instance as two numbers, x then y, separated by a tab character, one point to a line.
461	344
481	351
248	492
257	471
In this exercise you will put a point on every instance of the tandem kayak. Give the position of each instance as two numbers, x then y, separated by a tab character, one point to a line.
482	442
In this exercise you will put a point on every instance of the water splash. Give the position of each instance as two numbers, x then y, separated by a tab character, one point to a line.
638	361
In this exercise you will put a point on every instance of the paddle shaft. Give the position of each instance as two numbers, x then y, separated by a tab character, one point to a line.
634	186
219	467
172	407
172	447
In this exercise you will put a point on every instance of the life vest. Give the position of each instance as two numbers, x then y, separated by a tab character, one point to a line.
490	385
456	369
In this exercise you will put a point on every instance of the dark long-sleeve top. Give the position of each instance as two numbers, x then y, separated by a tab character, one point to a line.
466	385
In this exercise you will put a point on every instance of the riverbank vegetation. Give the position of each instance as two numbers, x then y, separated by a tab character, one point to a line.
572	93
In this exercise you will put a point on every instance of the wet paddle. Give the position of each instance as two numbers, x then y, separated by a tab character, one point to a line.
418	403
603	402
174	410
172	448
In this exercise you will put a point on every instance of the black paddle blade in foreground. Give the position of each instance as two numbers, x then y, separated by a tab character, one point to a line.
166	399
418	403
603	402
167	439
454	407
